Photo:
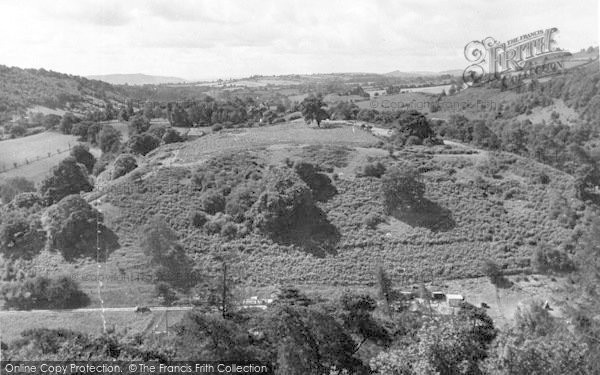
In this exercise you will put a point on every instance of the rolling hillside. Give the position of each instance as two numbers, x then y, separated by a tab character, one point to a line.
21	89
479	206
135	79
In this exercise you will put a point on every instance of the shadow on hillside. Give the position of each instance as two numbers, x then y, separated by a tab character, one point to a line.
95	248
109	242
428	215
314	233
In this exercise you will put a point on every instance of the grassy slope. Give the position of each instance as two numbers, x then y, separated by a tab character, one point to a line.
30	148
39	145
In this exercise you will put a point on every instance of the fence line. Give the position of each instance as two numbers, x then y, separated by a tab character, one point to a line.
16	165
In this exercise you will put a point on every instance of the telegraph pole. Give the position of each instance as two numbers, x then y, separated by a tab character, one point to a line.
167	320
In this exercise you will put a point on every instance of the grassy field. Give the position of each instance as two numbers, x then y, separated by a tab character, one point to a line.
31	149
90	322
294	133
35	149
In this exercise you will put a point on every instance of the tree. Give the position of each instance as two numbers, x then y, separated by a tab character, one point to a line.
109	139
292	296
81	130
588	257
221	288
446	345
17	130
66	123
312	108
123	114
143	143
345	111
172	265
13	186
284	197
308	341
43	293
172	136
372	170
26	200
494	273
533	320
124	164
401	188
540	344
164	291
414	124
20	234
458	127
92	133
213	202
103	162
75	228
158	130
201	335
149	110
356	317
44	343
560	353
177	115
69	177
50	121
138	124
82	155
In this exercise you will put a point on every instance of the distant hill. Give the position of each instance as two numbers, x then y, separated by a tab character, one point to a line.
401	74
21	89
136	79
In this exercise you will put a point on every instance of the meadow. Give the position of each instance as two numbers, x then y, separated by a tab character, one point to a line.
294	133
31	154
90	322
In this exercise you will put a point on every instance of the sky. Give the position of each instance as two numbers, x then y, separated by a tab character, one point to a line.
207	39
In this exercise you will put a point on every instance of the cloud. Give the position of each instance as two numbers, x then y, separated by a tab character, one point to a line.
195	38
104	13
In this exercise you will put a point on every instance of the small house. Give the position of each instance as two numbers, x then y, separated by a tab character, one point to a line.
455	300
438	296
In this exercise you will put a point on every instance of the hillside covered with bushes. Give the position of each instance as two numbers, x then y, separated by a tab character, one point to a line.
21	89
